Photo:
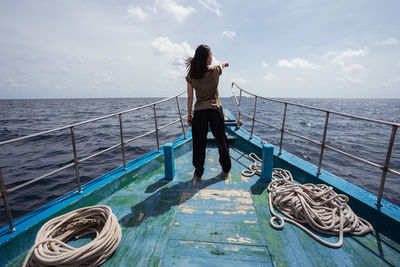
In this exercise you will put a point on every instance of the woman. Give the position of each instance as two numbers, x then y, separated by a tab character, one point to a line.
207	109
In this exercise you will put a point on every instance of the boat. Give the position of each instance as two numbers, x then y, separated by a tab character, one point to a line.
168	221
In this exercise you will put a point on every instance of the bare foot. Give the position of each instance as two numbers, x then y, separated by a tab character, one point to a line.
195	179
224	175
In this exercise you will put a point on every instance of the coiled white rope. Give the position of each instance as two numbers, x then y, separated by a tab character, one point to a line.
50	246
319	206
254	168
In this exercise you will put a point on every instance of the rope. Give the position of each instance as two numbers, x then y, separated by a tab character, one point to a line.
319	206
254	168
50	248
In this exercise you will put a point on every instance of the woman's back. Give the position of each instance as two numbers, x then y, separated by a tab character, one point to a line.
206	89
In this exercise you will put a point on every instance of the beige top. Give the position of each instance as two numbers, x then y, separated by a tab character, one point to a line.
206	89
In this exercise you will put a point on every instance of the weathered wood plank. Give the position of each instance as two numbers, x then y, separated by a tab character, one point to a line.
354	252
217	228
190	253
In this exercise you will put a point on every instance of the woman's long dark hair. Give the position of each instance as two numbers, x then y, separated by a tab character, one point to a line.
197	65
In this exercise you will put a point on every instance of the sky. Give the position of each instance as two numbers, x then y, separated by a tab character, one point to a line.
109	48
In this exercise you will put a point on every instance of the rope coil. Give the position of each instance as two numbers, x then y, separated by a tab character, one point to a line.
50	246
317	205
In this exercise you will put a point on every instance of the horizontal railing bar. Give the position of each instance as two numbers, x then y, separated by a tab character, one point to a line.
168	124
99	153
39	178
139	136
286	131
329	147
87	158
354	157
303	137
88	121
393	171
323	110
245	115
267	124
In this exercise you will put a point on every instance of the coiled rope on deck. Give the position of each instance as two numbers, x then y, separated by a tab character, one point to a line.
317	205
50	246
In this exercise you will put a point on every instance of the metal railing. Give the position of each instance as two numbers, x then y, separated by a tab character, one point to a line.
122	143
385	168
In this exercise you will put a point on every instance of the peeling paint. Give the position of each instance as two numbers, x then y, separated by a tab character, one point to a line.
246	221
235	249
243	207
234	212
245	179
240	239
226	193
185	209
186	242
244	200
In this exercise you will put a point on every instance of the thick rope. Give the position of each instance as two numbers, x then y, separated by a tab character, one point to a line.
50	246
254	168
319	206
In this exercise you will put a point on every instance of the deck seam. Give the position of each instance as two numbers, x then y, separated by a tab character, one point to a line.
223	243
262	231
169	234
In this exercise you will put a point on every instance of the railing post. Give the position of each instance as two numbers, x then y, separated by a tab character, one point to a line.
267	162
240	99
122	140
323	143
282	129
155	124
385	168
254	117
169	161
180	117
78	179
6	205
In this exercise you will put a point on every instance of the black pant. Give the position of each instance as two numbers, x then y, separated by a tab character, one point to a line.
201	119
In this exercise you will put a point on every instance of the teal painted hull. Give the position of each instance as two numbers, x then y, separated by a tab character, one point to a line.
218	222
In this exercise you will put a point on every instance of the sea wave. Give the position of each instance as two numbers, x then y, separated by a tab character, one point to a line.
33	157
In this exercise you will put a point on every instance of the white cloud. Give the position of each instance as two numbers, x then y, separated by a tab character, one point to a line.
300	79
229	34
8	82
64	70
296	63
138	13
211	5
389	41
393	81
178	11
270	77
175	52
238	80
265	65
343	61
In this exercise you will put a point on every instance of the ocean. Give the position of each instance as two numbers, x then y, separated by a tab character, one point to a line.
28	159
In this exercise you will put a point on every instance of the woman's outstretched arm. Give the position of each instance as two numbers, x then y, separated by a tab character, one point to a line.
223	65
189	103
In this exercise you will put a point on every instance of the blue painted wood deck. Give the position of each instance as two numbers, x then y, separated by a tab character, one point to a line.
220	222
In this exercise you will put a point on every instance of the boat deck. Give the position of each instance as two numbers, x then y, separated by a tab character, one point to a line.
221	222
